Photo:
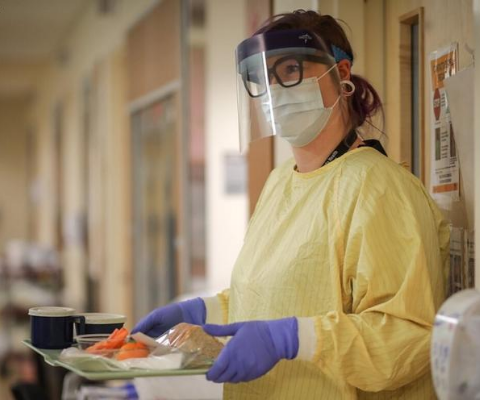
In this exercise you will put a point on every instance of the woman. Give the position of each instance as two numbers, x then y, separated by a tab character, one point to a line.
342	270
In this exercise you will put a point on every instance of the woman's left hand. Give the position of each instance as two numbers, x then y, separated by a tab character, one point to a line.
254	349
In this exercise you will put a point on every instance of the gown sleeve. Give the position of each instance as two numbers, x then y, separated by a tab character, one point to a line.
394	244
217	307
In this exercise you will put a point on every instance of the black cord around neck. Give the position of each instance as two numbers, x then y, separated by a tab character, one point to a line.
348	142
343	147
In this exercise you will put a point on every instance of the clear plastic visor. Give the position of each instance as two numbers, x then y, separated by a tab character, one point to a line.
262	76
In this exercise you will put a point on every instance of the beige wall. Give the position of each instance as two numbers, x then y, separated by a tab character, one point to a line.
94	39
227	215
13	171
95	49
118	268
445	21
476	17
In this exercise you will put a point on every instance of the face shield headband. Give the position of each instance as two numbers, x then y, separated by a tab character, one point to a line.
269	41
293	39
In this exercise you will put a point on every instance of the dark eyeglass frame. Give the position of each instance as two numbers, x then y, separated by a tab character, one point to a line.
300	58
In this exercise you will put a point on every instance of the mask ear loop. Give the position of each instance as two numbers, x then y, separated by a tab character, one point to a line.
326	72
351	86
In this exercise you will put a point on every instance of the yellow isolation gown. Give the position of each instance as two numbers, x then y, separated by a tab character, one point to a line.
359	246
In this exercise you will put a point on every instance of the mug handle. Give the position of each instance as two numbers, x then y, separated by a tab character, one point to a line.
80	320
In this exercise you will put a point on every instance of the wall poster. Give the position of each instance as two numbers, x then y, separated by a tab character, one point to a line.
444	173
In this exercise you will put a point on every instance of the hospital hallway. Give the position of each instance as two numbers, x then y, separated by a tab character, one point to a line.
157	155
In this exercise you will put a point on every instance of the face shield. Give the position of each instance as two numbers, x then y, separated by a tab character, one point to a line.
287	85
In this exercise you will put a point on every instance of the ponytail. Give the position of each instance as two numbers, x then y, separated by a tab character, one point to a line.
365	101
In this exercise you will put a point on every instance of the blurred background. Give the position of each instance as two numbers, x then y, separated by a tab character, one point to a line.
122	186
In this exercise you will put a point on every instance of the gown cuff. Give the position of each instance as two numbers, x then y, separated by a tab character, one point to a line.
307	339
214	310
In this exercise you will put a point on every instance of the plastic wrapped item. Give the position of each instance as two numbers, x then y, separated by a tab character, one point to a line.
89	362
199	348
184	346
96	363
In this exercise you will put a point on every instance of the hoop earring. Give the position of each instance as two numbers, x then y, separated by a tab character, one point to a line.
350	85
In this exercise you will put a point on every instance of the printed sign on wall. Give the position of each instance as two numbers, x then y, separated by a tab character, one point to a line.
444	174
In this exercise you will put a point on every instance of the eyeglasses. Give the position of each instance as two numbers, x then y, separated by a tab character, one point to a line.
287	71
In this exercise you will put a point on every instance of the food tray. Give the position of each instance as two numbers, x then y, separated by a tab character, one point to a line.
51	358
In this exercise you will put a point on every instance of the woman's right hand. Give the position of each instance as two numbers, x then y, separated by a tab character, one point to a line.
164	318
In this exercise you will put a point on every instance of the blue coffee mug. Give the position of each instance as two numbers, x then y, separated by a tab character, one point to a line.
99	323
52	327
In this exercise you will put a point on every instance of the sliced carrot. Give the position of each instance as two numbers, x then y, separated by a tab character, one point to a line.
122	333
133	346
118	340
112	335
114	341
133	353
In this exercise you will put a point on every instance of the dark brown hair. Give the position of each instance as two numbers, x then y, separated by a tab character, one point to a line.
365	101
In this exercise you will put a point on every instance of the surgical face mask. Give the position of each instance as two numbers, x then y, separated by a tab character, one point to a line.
297	114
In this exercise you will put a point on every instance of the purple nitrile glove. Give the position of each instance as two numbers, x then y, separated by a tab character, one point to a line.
162	319
254	349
